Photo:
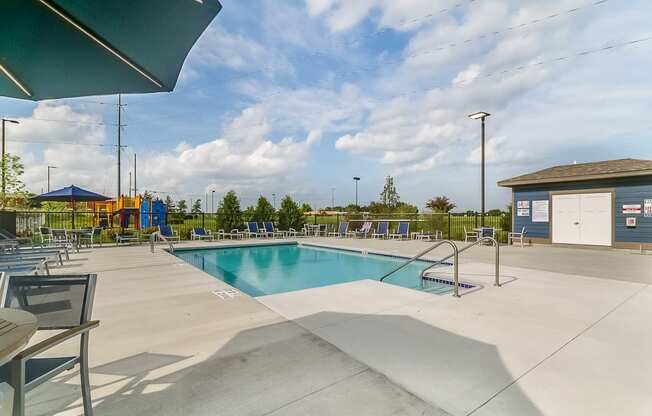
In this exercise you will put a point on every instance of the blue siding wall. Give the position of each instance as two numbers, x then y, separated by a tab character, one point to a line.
628	191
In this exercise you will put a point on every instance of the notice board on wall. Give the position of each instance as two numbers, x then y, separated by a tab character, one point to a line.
541	211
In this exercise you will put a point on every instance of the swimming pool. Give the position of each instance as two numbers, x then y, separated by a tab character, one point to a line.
268	269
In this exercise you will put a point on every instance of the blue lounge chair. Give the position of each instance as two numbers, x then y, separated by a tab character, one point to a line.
341	230
254	231
199	233
269	229
382	231
167	232
402	232
363	231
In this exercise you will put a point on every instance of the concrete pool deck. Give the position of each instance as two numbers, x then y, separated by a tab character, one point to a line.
546	343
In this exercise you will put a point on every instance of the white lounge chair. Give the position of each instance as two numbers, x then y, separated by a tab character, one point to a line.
511	236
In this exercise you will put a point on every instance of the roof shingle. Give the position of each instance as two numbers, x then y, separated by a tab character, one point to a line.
608	169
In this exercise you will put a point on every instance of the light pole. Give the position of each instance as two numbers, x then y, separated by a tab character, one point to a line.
356	179
333	198
213	201
4	120
50	167
274	200
481	116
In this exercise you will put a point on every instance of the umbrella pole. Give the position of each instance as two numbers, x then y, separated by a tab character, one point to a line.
73	214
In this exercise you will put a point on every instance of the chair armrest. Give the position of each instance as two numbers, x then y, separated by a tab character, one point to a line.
46	344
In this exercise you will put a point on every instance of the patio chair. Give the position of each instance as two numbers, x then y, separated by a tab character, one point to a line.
341	230
382	230
402	232
45	235
31	266
167	232
269	229
199	233
50	256
58	251
291	232
363	231
90	237
254	231
470	234
6	235
59	303
511	236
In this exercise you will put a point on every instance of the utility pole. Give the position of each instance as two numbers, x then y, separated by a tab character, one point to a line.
50	167
274	199
356	179
4	120
129	189
213	201
333	198
135	192
120	105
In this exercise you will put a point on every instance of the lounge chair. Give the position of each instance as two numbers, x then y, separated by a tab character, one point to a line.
511	236
6	235
382	231
31	266
199	233
269	228
59	303
45	235
470	235
126	238
363	231
402	232
254	231
291	232
168	233
52	256
341	230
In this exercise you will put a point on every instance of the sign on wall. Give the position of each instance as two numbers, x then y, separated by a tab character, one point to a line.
541	211
522	208
523	204
631	222
632	209
647	208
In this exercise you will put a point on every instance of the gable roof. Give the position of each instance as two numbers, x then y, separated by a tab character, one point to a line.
608	169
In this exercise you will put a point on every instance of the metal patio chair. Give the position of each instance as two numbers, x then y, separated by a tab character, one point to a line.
470	235
61	303
516	236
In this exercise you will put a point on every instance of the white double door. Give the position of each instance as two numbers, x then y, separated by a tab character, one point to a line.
582	219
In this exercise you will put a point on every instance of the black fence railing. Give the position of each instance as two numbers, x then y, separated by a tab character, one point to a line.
452	226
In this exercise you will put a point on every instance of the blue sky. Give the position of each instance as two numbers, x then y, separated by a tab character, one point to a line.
299	96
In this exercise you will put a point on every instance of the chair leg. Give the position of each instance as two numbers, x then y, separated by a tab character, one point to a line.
83	373
17	382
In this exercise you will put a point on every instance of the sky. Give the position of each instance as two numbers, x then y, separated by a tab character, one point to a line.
297	97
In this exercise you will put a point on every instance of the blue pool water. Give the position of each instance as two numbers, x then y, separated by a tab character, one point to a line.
269	269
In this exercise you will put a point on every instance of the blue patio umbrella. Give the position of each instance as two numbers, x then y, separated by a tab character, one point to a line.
71	194
70	48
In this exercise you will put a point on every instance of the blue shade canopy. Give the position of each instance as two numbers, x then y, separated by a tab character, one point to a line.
70	48
71	193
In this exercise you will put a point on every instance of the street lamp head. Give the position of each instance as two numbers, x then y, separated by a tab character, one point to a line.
356	178
479	115
10	121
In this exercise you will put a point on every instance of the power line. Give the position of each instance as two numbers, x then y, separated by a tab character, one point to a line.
58	143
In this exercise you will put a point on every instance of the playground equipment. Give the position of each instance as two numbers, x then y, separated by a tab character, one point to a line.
126	211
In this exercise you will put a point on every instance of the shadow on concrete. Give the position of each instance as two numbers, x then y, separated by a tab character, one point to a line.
403	367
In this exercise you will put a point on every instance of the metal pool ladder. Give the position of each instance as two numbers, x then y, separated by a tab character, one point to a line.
152	240
456	282
455	256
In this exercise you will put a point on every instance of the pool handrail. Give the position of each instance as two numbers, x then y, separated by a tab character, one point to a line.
152	238
480	240
456	281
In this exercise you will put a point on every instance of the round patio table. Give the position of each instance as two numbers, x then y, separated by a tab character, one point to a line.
16	329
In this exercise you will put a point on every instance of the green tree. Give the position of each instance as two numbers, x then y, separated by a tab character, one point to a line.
182	206
290	215
406	208
264	211
229	215
389	197
196	207
440	204
249	213
305	207
169	203
13	169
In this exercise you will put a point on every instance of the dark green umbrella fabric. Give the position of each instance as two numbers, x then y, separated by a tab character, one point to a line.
70	48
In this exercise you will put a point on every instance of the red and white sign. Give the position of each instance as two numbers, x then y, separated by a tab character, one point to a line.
632	209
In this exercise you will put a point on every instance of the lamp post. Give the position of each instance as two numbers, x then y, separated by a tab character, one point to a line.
333	198
481	116
213	201
274	200
50	167
4	120
356	179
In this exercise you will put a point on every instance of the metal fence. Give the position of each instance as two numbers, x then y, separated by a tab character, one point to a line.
452	226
